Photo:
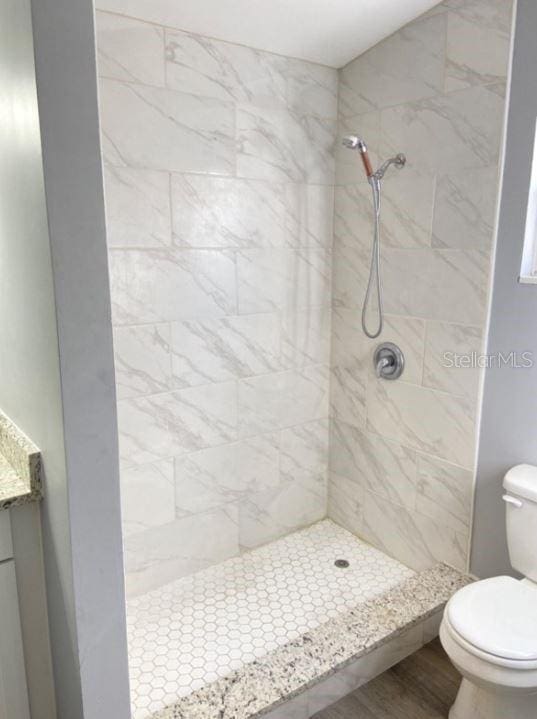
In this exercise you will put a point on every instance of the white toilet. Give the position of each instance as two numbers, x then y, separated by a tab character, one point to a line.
489	628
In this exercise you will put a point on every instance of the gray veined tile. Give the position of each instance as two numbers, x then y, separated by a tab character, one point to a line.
348	388
270	280
350	263
304	451
345	502
229	212
448	285
217	350
161	129
378	464
313	208
446	133
407	66
445	492
407	208
478	40
412	538
305	337
147	496
175	423
206	479
164	285
397	411
465	209
312	89
282	399
282	145
137	207
270	144
130	50
142	357
353	215
451	352
223	70
162	554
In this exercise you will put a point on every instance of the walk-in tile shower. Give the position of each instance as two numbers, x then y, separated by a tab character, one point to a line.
240	232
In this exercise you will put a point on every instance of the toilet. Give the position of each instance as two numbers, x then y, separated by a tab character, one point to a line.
489	628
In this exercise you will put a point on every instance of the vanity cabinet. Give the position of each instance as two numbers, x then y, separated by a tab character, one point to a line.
14	702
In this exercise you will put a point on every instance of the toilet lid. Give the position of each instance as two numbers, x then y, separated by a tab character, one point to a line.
498	616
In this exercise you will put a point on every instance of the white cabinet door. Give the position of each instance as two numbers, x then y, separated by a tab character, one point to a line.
13	690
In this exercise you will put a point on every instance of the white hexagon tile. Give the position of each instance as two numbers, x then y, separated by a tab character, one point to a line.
200	628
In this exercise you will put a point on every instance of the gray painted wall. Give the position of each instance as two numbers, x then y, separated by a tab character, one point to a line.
56	366
509	411
68	107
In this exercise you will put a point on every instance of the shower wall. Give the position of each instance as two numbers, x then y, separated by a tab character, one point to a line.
402	453
219	171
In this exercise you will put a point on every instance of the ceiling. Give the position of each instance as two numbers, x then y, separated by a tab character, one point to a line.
330	32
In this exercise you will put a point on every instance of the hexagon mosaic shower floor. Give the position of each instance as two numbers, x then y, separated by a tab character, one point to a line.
197	629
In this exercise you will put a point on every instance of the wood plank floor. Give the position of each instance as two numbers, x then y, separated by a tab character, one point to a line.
423	686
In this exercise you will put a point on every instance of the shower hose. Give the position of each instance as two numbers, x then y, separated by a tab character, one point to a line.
374	270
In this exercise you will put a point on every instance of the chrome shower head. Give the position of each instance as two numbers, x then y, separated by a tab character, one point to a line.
353	142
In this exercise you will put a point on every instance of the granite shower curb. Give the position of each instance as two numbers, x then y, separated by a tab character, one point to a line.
263	685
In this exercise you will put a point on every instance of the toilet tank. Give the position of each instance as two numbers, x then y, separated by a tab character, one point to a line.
520	485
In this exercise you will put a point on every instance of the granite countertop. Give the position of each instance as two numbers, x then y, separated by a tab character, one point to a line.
264	684
20	466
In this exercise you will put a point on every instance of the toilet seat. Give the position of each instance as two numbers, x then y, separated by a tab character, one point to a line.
496	619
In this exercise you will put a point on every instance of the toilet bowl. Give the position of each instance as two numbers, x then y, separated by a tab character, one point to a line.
489	628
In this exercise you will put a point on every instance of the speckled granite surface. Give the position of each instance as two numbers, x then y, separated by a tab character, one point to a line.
20	466
262	685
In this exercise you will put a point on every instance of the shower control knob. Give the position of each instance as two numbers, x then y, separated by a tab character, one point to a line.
389	361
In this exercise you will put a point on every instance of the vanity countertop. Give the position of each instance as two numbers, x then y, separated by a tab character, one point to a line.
20	466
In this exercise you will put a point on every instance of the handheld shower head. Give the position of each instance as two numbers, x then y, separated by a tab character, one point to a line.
353	142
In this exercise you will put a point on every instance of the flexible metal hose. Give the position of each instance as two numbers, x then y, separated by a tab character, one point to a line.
374	270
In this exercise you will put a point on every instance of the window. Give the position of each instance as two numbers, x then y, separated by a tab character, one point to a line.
528	271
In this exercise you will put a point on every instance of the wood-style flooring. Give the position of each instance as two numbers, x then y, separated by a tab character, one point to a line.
422	686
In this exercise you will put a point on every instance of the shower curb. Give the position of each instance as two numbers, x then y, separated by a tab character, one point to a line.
265	686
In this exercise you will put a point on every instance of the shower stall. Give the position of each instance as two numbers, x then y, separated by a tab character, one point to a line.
271	482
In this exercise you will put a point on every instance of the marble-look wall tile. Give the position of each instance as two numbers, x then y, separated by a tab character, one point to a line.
207	479
407	208
205	351
137	207
464	209
160	129
175	423
283	145
162	554
434	422
305	338
147	496
312	89
407	66
443	368
142	356
304	451
478	38
271	280
130	50
446	133
167	285
378	464
444	492
345	502
412	538
212	68
448	285
282	399
229	212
